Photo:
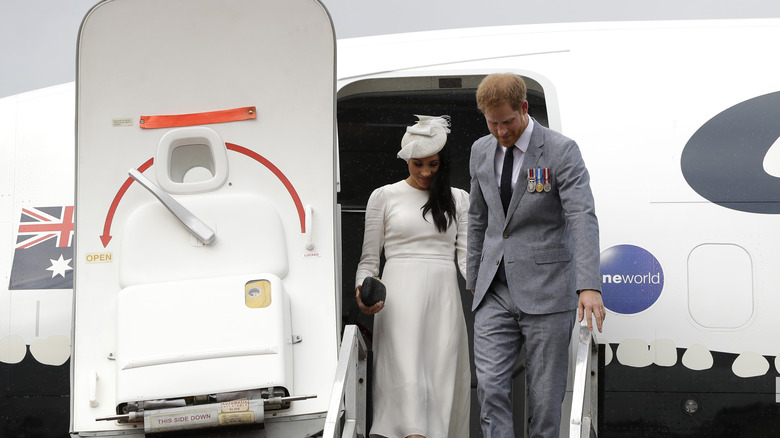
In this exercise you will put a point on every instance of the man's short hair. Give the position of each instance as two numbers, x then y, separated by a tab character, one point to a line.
500	88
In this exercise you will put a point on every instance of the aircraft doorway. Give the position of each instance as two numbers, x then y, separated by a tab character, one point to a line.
372	116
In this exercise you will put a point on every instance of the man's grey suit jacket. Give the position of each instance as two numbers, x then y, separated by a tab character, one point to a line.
549	240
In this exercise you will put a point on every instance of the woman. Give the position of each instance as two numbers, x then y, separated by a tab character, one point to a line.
421	360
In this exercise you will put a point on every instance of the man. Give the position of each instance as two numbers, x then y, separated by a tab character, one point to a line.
533	257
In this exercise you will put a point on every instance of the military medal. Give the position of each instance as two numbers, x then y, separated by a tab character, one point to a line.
539	186
546	175
531	180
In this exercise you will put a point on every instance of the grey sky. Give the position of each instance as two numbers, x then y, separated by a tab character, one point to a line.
38	37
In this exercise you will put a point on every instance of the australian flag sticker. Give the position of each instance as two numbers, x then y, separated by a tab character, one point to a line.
43	256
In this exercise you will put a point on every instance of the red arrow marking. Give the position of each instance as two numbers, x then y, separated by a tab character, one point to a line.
106	237
279	174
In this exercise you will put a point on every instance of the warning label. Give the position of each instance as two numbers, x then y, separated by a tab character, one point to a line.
233	418
174	421
236	405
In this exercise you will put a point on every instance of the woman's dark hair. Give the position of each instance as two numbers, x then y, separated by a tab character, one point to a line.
440	202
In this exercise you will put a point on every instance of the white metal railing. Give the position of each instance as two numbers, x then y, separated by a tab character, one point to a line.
584	404
349	388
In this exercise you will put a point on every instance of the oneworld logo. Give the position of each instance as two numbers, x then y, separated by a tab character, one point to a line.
631	279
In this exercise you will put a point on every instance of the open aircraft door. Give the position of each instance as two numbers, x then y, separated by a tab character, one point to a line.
205	291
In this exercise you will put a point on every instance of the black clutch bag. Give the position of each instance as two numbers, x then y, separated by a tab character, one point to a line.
372	291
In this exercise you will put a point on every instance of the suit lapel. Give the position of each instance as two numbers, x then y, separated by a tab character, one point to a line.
529	161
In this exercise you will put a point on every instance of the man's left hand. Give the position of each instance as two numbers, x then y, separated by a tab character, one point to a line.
591	305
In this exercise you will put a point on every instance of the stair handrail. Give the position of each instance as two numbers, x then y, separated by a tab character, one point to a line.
349	388
584	404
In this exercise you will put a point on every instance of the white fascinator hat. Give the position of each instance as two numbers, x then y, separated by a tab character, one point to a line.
425	138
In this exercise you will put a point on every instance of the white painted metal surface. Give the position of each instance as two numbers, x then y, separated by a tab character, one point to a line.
169	314
36	170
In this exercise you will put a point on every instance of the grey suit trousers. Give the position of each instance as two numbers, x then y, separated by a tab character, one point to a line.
500	331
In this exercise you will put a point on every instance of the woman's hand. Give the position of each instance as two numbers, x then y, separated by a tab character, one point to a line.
363	308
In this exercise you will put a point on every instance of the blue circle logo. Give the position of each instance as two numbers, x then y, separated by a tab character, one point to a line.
631	279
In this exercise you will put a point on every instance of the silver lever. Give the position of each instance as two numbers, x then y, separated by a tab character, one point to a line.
196	226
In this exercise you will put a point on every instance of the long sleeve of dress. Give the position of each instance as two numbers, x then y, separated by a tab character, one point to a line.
373	237
461	241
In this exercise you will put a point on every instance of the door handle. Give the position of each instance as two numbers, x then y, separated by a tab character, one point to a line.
197	227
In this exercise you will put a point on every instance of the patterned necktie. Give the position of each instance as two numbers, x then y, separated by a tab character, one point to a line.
506	177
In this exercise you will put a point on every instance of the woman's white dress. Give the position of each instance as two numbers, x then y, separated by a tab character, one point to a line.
422	379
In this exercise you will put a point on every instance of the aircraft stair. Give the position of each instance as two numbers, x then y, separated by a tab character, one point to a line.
346	417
